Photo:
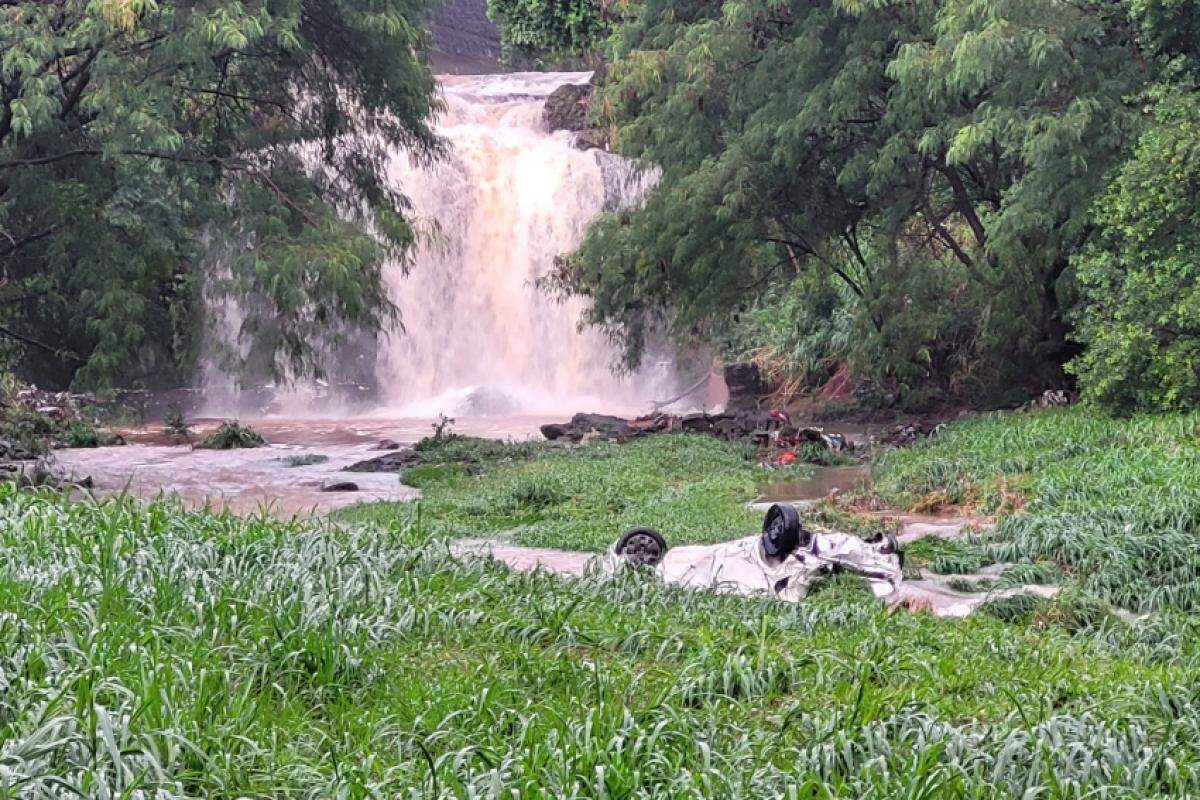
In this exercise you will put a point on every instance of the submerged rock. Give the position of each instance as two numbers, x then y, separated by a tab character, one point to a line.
390	462
340	486
487	401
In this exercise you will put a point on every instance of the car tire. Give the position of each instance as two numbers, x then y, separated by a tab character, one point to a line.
641	547
782	532
891	545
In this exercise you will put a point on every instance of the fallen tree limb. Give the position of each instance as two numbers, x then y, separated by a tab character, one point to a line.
659	404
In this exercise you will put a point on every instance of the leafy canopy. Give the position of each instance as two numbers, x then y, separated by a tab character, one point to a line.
152	152
937	159
554	28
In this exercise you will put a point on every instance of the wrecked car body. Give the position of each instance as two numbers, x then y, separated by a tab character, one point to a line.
783	561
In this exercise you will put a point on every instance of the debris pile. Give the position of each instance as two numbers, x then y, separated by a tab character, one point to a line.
590	427
772	432
1051	398
34	421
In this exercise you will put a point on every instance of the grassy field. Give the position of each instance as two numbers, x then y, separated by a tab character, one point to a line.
692	488
1114	502
150	652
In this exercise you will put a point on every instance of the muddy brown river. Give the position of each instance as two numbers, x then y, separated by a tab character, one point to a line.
255	480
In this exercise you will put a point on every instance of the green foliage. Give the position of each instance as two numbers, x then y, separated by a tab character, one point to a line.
937	161
231	436
1141	321
153	152
692	488
799	331
177	654
550	28
472	450
85	434
1116	502
176	424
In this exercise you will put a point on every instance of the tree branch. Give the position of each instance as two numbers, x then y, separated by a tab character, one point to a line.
63	354
17	244
963	204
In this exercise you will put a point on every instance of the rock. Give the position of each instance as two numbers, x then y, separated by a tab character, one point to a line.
591	139
1051	398
697	423
487	401
387	444
16	451
567	108
592	426
746	387
904	434
340	486
392	462
53	412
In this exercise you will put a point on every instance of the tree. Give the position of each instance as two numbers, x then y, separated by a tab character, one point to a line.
152	152
1140	320
1141	277
894	146
550	28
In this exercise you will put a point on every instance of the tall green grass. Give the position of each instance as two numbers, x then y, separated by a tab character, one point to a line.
1116	501
149	652
693	488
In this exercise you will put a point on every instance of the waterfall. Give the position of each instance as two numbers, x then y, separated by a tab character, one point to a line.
476	335
507	199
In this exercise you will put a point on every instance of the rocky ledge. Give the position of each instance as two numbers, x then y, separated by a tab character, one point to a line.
569	108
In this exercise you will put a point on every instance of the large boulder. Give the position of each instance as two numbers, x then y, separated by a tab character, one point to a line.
567	108
746	387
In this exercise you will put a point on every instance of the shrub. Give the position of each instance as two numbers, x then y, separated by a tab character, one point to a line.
1141	280
231	436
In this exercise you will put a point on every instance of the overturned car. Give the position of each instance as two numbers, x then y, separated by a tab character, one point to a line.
782	561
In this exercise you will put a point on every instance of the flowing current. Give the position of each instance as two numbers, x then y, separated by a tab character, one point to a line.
476	334
508	198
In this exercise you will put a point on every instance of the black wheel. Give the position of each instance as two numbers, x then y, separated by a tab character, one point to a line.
892	545
642	547
781	531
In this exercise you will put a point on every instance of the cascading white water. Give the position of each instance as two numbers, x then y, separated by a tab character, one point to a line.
476	334
507	199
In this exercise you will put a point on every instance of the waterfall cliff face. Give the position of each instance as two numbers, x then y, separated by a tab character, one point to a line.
476	334
506	200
